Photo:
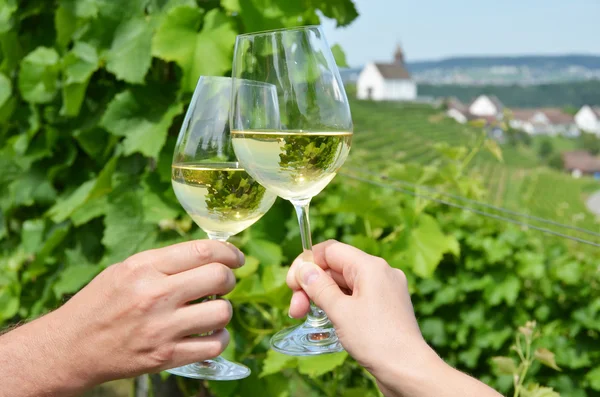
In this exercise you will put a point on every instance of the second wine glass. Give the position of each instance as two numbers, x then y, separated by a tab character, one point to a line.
213	189
298	159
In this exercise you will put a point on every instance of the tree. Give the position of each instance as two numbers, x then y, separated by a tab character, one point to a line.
546	149
589	142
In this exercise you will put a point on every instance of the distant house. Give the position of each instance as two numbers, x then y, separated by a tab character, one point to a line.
457	110
546	121
588	119
580	162
387	81
487	106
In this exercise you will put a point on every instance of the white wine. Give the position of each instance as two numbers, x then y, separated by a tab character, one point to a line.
221	198
295	165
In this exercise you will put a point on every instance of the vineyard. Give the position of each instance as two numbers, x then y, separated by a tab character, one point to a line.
393	133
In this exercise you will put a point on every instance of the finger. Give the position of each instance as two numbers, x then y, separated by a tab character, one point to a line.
346	260
201	318
338	278
320	287
295	286
178	258
199	348
211	279
299	305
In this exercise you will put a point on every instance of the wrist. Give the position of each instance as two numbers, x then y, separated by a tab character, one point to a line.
411	373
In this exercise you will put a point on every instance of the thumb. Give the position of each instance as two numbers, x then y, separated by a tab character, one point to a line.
319	287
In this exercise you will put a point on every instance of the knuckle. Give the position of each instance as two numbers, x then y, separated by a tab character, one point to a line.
202	251
131	267
161	356
222	275
381	263
146	295
400	275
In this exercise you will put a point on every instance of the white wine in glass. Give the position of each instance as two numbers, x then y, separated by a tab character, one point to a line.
217	193
300	158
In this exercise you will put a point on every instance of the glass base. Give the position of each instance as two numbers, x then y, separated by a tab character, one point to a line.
215	369
307	340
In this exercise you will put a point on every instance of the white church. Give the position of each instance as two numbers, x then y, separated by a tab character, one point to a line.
387	81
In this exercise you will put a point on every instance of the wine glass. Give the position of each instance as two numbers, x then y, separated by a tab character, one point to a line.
213	189
300	158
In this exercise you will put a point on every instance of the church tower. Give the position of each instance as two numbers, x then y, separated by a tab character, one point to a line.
399	55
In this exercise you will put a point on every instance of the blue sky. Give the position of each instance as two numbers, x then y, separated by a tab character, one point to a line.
433	29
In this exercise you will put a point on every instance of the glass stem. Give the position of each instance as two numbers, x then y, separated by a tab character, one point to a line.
316	317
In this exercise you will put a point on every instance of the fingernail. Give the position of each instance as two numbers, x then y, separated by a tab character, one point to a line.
240	254
289	315
242	257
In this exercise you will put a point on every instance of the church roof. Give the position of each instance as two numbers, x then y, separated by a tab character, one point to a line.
393	71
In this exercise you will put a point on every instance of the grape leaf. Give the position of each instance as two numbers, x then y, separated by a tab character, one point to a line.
505	365
78	66
320	365
80	63
89	210
536	390
427	245
130	53
250	267
30	188
10	292
267	252
38	77
65	23
82	8
207	52
339	56
276	362
593	377
7	9
32	235
144	128
546	357
93	188
125	230
343	11
5	89
507	290
76	274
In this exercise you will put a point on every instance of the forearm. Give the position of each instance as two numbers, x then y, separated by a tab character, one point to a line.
36	359
431	378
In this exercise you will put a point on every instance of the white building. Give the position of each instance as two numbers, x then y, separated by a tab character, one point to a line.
588	119
544	121
486	106
386	81
456	110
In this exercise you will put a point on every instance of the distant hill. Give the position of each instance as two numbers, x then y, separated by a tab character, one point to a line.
536	61
523	70
501	70
574	94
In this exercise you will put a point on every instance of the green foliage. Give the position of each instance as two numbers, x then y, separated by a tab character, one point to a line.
92	95
545	149
525	339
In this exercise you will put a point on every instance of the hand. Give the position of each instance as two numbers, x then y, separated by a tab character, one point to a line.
135	317
369	305
366	300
